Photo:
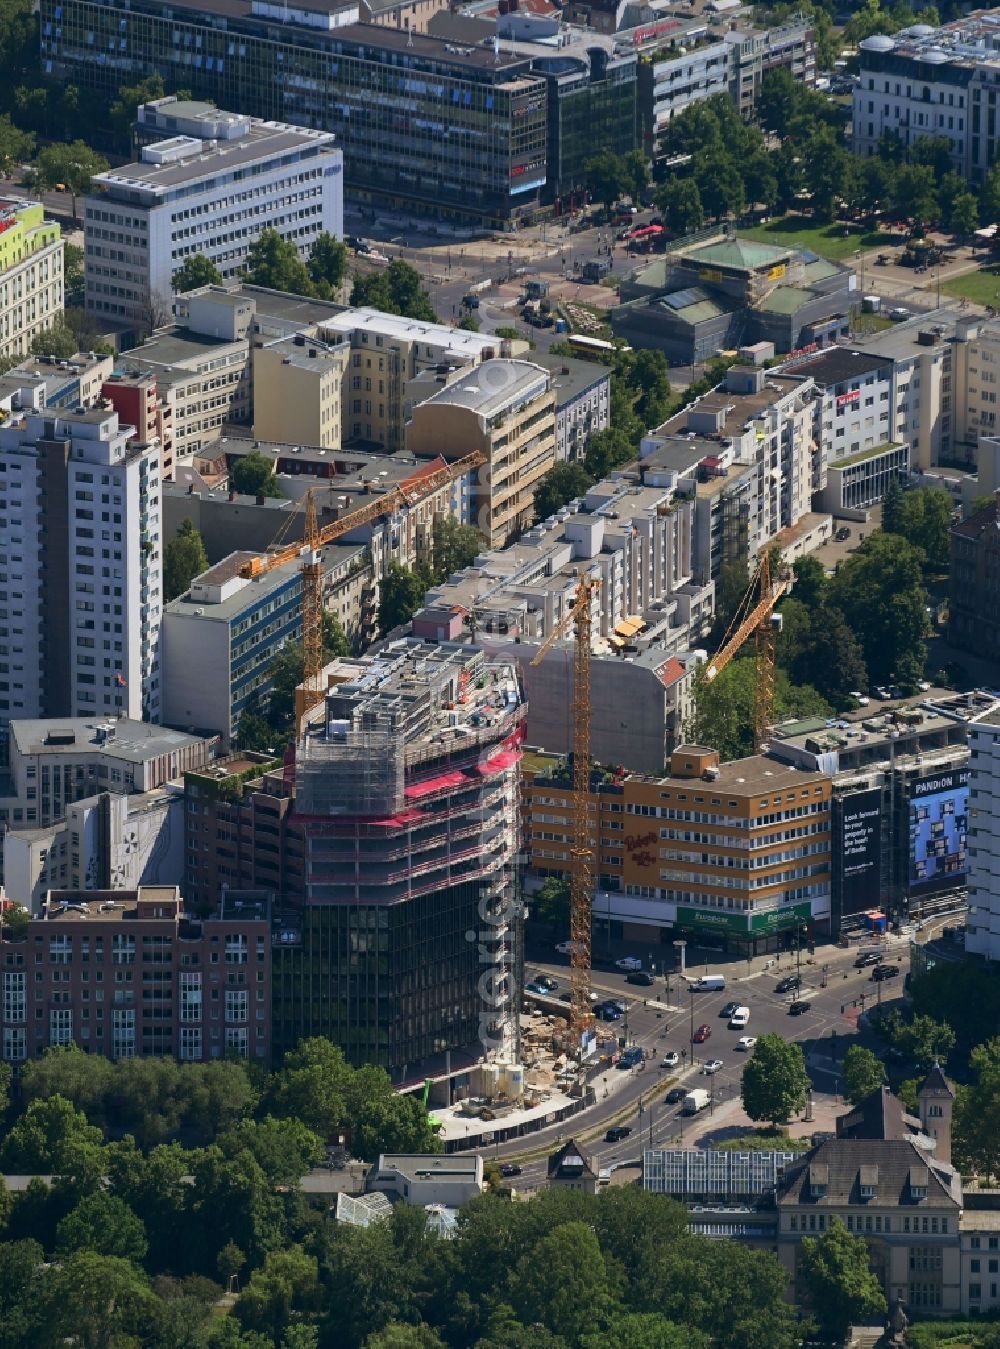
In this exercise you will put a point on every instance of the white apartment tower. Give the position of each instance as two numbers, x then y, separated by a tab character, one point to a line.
80	568
208	182
982	933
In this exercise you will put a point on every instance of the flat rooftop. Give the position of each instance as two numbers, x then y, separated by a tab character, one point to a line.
398	328
838	365
266	141
252	590
133	741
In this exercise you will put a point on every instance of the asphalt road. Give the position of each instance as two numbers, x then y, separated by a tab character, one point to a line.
658	1030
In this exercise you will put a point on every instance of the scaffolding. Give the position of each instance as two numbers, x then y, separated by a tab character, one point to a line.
351	773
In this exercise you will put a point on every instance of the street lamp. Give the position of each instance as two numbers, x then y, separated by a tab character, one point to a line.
681	946
693	1056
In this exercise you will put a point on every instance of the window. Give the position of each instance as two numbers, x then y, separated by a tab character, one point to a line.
190	1044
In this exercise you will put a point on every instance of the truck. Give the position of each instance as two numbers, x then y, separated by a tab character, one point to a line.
695	1100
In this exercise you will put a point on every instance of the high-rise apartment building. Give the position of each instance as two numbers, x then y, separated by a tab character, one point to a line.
209	183
129	973
982	929
31	274
393	845
80	568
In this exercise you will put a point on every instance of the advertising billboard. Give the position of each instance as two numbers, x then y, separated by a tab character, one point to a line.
858	845
939	813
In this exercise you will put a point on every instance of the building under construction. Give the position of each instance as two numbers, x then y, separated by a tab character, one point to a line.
392	840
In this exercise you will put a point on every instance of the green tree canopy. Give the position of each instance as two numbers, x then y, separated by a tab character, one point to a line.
196	271
923	517
327	264
401	594
105	1224
841	1287
274	262
59	341
52	1137
397	289
16	146
864	1073
724	708
560	485
562	1282
679	202
775	1080
879	590
253	475
288	670
456	546
608	177
70	167
551	902
184	558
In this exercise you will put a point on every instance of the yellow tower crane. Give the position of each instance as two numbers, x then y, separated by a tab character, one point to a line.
756	615
420	485
581	851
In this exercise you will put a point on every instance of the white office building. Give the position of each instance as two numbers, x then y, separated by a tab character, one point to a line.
939	82
982	931
209	183
80	568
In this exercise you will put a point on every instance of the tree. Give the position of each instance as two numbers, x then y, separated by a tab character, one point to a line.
52	1137
563	1282
730	589
892	506
401	593
607	450
989	200
127	104
607	176
923	518
16	146
827	172
841	1287
327	264
879	590
916	194
810	581
73	279
468	323
284	1148
963	217
649	376
289	1280
552	903
864	1073
94	1300
925	1040
57	341
104	1224
976	1133
679	202
724	708
775	1080
401	1335
184	558
71	166
560	485
288	670
721	185
778	100
397	289
874	184
456	546
274	262
834	664
253	475
194	272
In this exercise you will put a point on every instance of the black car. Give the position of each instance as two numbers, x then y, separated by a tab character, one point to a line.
616	1133
867	958
675	1095
729	1009
546	981
798	1008
789	984
640	977
510	1169
881	972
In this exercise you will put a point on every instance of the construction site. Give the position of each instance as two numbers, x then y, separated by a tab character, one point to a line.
714	291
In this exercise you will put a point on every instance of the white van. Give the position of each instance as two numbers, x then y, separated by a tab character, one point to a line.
710	983
739	1018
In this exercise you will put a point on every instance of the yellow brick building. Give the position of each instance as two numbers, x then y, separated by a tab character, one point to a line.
31	274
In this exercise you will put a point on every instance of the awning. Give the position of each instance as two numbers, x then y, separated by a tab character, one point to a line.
628	627
505	759
438	784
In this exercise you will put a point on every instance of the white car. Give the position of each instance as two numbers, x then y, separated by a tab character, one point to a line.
565	948
746	1042
739	1018
712	1066
628	963
671	1059
861	699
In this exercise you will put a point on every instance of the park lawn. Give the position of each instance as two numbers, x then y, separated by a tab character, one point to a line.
982	287
827	240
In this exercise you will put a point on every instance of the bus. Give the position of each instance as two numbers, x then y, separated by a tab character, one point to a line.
594	348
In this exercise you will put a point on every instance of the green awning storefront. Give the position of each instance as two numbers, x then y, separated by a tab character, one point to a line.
744	925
